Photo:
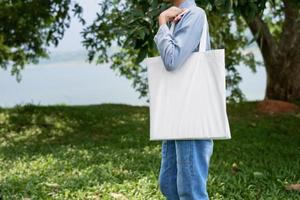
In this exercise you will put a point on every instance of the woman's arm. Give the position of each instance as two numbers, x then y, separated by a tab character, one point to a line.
175	49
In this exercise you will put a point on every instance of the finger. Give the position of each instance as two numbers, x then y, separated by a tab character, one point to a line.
177	18
185	10
181	14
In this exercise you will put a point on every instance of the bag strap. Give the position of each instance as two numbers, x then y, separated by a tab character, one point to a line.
203	39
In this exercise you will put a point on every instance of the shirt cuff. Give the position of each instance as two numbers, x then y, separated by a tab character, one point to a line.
162	30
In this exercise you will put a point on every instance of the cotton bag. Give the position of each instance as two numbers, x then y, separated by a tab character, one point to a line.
190	101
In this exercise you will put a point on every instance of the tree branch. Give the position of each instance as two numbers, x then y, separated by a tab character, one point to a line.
264	38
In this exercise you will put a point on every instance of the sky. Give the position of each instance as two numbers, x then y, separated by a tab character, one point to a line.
67	78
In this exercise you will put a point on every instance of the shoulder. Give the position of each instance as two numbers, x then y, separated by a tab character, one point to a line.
197	10
195	17
195	13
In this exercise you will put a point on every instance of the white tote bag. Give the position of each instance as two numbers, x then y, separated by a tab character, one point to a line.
190	101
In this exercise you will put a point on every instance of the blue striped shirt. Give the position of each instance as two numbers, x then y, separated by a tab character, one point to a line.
176	47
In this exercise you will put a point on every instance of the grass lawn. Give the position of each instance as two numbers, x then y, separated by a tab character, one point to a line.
103	152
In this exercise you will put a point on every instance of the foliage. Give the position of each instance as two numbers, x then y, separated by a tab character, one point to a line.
27	28
133	25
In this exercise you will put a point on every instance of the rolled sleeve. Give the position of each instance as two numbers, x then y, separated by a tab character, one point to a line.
162	32
162	38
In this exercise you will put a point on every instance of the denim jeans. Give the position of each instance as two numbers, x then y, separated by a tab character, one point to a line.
184	169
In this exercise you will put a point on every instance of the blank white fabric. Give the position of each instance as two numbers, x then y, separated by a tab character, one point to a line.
190	101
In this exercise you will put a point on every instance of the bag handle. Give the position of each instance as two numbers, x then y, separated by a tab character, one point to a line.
203	39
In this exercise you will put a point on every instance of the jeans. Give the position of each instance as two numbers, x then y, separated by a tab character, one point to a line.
184	169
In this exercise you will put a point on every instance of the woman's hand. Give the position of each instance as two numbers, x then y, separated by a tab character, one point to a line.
172	13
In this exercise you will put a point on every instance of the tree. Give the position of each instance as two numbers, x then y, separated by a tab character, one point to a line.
278	36
28	27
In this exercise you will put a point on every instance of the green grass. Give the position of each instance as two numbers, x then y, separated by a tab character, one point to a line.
104	152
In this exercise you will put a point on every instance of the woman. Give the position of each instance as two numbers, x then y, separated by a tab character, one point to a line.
185	163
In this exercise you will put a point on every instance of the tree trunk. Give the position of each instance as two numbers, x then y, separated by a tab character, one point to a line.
282	60
283	83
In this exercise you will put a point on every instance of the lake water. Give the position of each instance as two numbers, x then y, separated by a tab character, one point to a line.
75	82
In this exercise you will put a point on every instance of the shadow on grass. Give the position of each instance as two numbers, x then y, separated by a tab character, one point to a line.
108	142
